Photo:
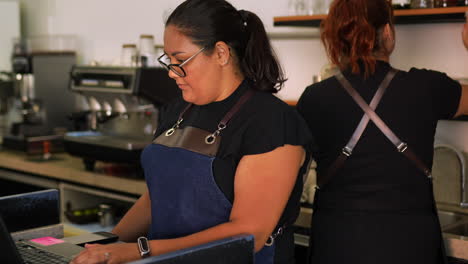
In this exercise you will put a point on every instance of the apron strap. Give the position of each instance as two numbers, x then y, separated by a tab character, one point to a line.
171	130
398	143
246	96
348	149
370	114
211	138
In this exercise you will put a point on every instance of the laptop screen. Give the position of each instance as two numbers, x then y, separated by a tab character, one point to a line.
30	210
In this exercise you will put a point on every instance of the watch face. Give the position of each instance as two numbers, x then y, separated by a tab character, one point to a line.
143	246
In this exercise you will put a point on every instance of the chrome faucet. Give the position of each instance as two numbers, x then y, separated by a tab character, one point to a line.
461	159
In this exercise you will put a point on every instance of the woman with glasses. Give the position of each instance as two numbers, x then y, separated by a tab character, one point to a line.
227	154
374	130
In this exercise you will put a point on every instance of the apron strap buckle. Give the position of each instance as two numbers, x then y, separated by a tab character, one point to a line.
271	239
402	147
347	151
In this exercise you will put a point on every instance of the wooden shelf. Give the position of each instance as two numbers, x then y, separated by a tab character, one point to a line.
404	16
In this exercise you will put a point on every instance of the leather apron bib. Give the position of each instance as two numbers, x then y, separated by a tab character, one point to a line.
185	198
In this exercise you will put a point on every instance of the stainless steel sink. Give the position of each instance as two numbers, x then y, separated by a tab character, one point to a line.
449	218
459	230
453	223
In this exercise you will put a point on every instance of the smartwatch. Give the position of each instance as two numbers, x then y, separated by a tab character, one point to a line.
143	247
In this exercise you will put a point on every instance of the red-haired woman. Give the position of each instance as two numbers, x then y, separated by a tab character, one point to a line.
375	202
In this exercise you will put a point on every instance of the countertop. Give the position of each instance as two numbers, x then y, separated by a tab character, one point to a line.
71	169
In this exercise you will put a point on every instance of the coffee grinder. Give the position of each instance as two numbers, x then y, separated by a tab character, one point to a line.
32	118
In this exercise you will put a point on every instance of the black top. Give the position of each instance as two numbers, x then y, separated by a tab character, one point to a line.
262	124
376	177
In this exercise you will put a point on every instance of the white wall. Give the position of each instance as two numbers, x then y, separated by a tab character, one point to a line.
9	30
103	26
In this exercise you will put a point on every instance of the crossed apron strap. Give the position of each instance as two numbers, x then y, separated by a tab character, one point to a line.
348	149
369	113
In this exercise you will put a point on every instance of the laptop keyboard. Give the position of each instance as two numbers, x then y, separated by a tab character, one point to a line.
32	255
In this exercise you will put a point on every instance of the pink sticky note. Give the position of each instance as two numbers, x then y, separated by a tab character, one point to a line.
47	241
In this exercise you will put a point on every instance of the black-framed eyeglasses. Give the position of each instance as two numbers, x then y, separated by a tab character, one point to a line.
176	67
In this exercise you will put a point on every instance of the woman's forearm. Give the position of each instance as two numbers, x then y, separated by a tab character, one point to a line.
214	233
136	221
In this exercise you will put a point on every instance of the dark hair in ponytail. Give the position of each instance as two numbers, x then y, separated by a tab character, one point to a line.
350	32
209	21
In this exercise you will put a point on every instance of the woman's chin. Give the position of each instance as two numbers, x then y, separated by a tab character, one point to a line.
188	97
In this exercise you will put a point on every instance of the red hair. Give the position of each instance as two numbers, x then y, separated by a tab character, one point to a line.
350	32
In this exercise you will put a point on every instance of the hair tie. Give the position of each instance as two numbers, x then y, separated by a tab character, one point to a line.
243	15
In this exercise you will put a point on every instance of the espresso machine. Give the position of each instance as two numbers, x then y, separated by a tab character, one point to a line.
42	102
120	105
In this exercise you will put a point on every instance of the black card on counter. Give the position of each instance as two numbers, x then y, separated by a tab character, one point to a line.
101	237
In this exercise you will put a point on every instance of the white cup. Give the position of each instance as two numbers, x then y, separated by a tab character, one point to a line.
147	56
128	55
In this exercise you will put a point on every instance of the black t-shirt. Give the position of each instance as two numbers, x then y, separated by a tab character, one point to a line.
376	176
262	124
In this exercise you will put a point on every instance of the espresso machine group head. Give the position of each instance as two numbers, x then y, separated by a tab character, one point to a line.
120	105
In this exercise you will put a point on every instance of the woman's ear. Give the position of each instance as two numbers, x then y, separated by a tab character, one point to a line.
222	53
388	35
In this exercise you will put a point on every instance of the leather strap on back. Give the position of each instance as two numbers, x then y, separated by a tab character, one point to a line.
369	113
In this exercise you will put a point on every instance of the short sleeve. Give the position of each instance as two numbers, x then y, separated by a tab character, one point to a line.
303	103
280	126
445	92
306	112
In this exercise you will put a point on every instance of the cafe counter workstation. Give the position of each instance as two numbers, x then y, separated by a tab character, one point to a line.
108	184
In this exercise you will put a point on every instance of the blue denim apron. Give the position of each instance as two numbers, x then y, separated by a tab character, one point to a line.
185	198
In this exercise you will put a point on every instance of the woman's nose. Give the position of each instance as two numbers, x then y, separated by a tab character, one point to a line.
172	74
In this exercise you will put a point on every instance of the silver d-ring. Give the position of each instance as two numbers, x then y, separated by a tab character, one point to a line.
210	139
221	126
280	231
269	241
169	132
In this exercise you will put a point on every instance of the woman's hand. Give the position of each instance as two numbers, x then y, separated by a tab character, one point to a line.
107	254
465	34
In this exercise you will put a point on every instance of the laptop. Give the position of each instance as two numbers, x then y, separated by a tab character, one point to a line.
232	250
30	210
35	251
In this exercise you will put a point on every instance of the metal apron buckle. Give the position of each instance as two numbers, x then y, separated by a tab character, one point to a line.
271	239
